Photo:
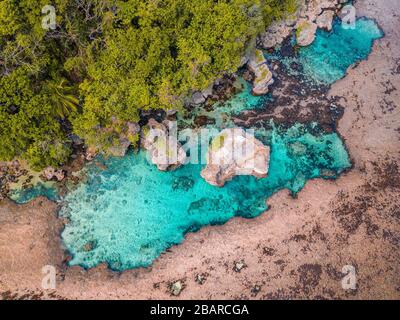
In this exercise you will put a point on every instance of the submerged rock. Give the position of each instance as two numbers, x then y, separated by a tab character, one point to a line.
90	246
202	120
162	145
235	152
305	32
262	75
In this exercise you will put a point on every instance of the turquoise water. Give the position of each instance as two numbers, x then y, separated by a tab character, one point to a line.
332	53
222	112
28	194
131	212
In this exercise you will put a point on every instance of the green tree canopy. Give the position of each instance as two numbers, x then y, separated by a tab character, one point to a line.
109	59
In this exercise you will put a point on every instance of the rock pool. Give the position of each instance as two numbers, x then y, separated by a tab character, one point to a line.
327	59
130	213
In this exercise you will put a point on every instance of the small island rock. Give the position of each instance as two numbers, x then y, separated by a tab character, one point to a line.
235	152
305	32
164	149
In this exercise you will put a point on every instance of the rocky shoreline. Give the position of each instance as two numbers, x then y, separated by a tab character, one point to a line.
354	220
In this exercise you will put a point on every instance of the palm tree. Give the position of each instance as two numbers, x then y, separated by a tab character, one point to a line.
63	97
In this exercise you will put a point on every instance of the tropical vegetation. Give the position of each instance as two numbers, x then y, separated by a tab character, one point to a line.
108	60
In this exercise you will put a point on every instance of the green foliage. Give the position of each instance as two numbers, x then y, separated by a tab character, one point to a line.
9	22
28	127
63	98
278	9
108	60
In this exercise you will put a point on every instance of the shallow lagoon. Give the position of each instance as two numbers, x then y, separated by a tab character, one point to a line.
130	213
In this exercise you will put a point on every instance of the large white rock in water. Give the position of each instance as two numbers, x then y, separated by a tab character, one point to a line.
262	75
235	152
305	32
162	145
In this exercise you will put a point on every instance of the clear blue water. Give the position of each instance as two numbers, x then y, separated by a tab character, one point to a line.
131	212
128	214
332	53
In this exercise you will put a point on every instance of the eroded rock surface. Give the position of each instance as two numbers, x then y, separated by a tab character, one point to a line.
275	34
124	135
263	78
309	16
325	20
353	220
162	145
305	32
235	152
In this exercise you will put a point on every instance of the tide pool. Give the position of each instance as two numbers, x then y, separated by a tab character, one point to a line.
130	213
41	189
327	59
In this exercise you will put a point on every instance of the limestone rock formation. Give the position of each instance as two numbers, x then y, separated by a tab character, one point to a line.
201	97
129	135
235	152
316	12
275	35
262	75
162	145
325	20
312	9
176	288
120	149
198	98
305	32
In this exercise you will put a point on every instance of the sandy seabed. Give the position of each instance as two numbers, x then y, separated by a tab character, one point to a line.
296	250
